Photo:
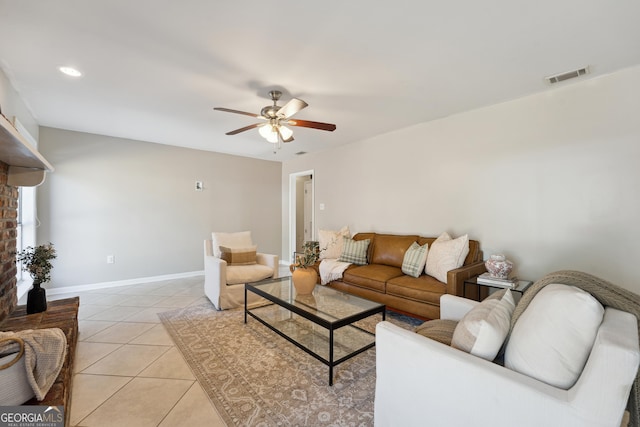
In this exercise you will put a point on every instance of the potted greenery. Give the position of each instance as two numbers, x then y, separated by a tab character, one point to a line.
304	277
37	261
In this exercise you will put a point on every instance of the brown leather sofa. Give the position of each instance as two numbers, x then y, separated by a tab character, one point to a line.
382	280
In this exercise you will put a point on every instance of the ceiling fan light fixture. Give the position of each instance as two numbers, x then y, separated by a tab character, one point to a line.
285	132
269	133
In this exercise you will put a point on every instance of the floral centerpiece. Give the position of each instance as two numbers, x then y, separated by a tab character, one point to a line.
37	261
310	254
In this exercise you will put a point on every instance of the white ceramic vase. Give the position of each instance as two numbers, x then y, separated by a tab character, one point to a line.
499	266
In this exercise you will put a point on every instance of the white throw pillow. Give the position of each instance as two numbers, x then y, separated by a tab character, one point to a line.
552	339
482	330
241	239
330	242
446	254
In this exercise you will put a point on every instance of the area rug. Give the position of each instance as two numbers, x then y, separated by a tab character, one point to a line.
256	378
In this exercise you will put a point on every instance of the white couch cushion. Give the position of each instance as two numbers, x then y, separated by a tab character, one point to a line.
553	337
237	274
482	330
330	242
241	239
446	254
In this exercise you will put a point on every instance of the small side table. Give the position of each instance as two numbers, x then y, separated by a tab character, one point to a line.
522	286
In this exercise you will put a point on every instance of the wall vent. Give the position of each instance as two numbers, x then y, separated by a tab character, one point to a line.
567	75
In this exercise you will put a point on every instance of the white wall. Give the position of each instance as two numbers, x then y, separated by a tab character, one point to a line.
551	180
137	201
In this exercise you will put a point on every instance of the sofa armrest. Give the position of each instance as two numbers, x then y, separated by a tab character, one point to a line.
456	278
270	261
215	274
413	373
453	307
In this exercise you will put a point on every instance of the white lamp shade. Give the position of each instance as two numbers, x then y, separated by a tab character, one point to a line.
285	132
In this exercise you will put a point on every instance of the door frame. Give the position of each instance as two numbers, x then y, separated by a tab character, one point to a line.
292	207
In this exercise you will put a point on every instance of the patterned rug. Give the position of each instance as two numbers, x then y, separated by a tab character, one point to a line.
256	378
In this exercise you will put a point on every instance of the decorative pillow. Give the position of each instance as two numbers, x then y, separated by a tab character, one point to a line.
414	259
483	329
330	242
440	330
552	339
241	239
446	254
239	256
354	251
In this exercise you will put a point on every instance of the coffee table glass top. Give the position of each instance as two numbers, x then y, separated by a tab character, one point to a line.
324	323
326	303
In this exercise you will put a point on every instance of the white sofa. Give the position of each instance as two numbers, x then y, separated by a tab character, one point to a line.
422	382
224	284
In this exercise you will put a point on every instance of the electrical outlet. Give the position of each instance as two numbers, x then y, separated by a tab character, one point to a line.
111	259
199	185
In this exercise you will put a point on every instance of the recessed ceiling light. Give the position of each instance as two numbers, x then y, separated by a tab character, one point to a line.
70	71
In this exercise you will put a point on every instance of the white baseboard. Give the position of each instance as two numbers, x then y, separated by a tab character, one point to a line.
128	282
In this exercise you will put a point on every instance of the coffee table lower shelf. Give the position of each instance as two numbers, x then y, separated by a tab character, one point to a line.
329	341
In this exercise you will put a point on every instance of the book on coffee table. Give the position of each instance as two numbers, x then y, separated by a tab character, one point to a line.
487	279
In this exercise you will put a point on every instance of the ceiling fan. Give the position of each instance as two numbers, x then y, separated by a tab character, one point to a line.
275	118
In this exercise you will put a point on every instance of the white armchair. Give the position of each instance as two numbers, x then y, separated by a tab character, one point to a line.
224	284
421	381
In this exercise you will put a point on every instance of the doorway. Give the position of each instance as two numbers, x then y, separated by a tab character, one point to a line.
301	212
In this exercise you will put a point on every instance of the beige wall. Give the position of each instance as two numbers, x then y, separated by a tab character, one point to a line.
551	180
136	201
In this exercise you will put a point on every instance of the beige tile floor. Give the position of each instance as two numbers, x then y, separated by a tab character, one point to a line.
128	371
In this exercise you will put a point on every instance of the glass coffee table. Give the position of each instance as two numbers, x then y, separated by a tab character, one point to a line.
322	324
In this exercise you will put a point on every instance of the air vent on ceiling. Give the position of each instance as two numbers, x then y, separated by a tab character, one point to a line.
568	75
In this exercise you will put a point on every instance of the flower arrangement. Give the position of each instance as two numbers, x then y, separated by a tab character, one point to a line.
37	261
309	256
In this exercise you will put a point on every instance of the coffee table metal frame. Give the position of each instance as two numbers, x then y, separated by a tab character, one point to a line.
330	325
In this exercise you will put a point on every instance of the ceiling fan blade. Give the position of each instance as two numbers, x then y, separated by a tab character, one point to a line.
228	110
291	107
234	132
314	125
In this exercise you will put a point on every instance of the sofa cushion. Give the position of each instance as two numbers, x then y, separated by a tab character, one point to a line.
237	274
239	256
446	254
330	242
354	251
389	249
552	339
372	276
482	330
439	330
424	288
241	239
475	254
414	259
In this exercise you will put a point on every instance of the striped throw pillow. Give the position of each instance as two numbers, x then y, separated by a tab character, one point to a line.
354	251
239	256
414	260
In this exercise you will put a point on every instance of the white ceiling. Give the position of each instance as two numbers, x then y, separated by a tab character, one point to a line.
154	69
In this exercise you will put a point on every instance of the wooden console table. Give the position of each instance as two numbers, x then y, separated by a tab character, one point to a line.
61	314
